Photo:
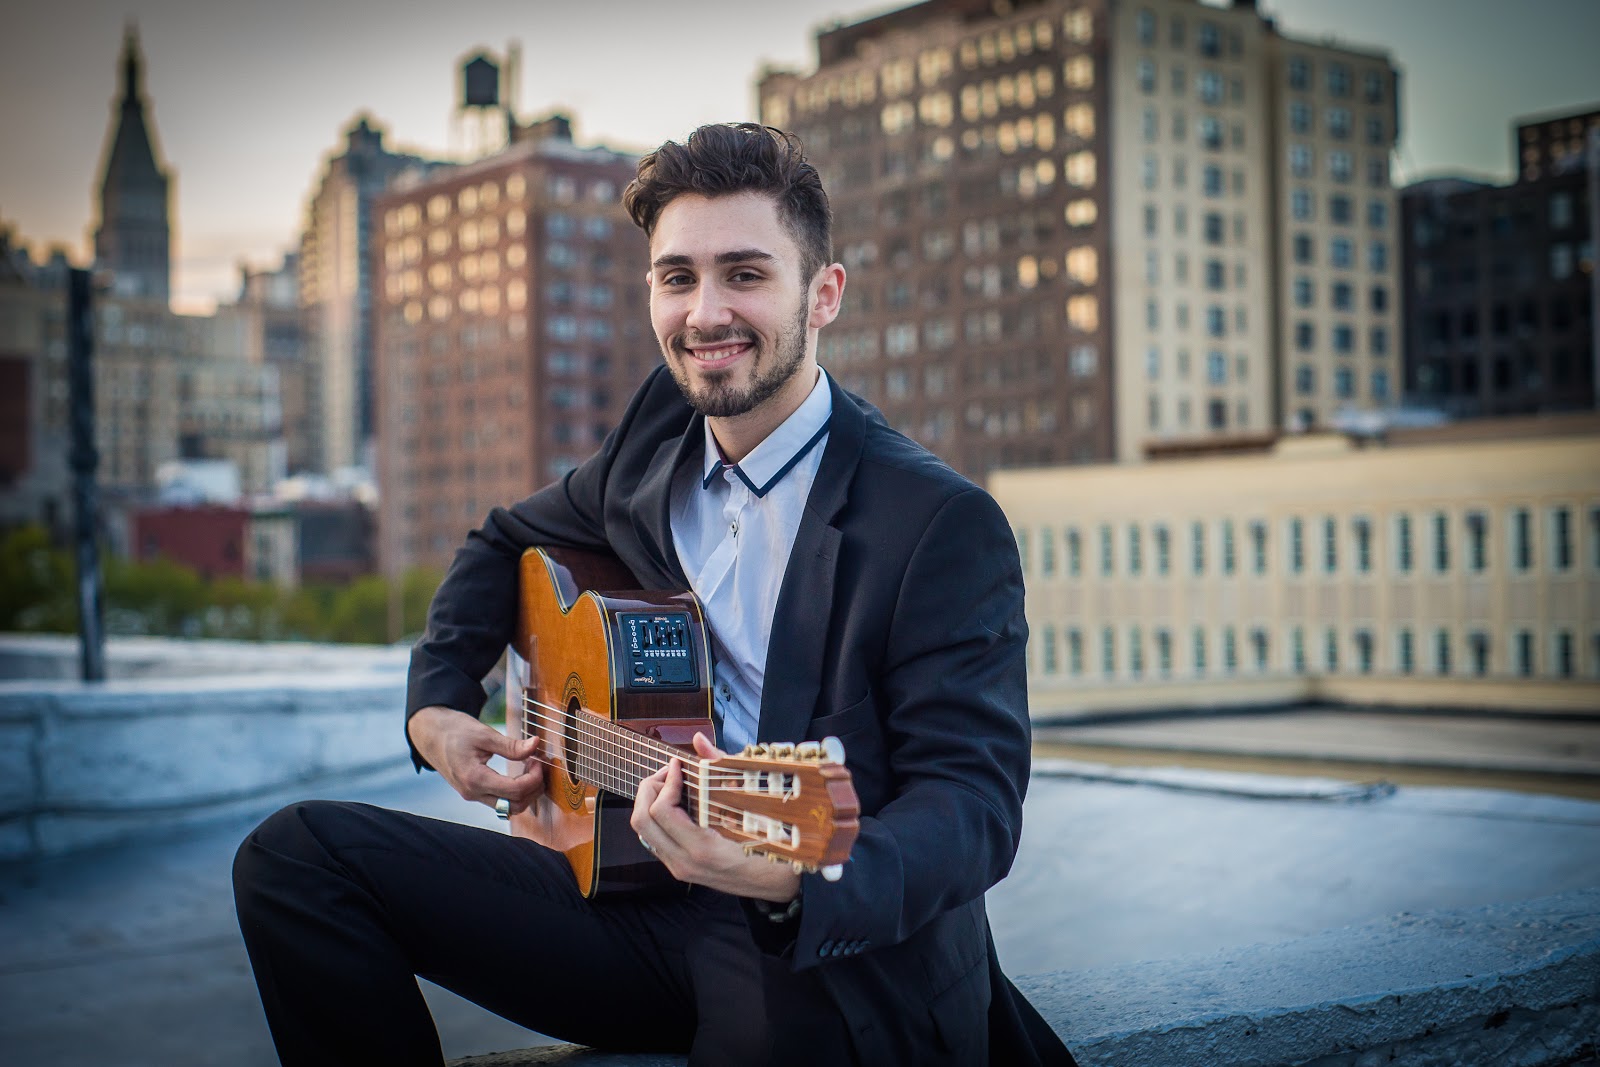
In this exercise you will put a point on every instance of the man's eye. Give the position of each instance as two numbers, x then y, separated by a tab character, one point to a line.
746	276
677	279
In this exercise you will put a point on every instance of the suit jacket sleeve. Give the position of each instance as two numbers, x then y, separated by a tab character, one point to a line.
952	698
474	611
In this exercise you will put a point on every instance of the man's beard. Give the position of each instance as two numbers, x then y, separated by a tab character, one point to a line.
718	397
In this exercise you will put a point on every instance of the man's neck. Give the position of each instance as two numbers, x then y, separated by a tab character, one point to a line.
738	435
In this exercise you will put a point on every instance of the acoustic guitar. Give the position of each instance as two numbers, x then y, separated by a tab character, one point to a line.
616	682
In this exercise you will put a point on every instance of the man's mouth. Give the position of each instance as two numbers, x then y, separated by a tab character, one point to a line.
716	355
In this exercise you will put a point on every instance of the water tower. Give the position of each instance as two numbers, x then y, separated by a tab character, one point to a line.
483	118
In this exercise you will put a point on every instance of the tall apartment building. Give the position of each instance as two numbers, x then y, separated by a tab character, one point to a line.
965	152
271	332
1500	280
1065	222
1193	222
336	288
512	326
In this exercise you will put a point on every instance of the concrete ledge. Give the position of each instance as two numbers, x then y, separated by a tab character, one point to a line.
85	764
1514	984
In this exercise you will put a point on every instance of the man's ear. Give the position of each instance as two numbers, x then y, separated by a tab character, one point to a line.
829	296
649	280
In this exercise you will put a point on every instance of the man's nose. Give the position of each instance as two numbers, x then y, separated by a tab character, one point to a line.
709	309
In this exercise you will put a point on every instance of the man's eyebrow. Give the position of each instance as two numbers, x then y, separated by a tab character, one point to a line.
738	255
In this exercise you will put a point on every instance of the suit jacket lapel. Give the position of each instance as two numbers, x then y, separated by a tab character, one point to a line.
805	600
652	504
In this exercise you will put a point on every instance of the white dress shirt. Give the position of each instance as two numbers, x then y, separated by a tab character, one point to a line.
733	527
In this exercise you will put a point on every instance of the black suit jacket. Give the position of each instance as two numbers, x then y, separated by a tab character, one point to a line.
899	629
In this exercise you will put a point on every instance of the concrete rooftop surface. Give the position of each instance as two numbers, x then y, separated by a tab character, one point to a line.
130	955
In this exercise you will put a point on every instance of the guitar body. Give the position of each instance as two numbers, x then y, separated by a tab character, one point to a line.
638	658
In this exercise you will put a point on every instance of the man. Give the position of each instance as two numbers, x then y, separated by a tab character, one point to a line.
854	587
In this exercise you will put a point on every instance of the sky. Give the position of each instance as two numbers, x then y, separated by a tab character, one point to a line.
250	98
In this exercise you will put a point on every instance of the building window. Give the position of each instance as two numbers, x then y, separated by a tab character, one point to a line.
1147	76
1300	117
1441	542
1524	641
1108	652
1378	256
1373	83
1339	123
1210	133
1344	383
1199	650
1258	649
1213	228
1300	204
1305	248
1330	650
1378	340
1107	552
1135	551
1344	338
1305	337
1477	541
1561	539
1341	253
1258	547
1405	654
1299	73
1197	546
1478	649
1522	540
1304	292
1402	543
1297	649
1338	80
1163	549
1145	24
1301	160
1297	546
1227	547
1164	652
1075	651
1380	386
1135	652
1074	553
1049	641
1362	531
1211	179
1441	651
1210	85
1330	545
1047	552
1230	651
1563	654
1341	166
1340	209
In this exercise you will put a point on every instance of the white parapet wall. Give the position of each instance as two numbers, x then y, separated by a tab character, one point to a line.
86	764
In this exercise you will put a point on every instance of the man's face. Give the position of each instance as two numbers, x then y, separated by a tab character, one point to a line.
728	305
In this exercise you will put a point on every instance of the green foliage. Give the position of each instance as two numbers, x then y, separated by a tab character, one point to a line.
163	598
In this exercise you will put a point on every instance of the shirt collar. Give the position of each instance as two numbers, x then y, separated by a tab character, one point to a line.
784	447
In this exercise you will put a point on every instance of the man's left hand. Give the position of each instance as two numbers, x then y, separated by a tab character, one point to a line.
701	856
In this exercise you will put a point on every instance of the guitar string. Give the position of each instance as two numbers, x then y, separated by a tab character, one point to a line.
597	752
720	779
652	747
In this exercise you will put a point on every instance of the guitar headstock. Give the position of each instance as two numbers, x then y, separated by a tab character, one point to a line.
791	803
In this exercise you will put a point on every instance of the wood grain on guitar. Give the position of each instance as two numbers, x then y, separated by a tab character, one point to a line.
617	682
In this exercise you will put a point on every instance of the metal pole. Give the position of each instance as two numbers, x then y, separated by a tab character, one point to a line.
84	459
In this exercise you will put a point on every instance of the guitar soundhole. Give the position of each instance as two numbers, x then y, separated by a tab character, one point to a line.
578	766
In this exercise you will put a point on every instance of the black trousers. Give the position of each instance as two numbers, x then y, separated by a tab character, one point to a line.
342	905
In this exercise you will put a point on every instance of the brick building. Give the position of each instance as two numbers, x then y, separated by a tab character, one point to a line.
512	326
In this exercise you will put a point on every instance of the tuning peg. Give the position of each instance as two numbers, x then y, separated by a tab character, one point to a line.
833	748
833	872
808	750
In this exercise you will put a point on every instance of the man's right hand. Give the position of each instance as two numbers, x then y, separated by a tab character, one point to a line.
459	746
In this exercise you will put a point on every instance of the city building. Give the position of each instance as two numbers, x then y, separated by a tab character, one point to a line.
1457	566
1500	280
1335	118
133	241
270	329
1078	229
512	326
336	291
35	430
965	153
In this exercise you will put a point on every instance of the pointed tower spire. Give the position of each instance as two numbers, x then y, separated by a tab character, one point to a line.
133	240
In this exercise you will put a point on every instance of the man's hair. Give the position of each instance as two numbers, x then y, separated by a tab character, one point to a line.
743	157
